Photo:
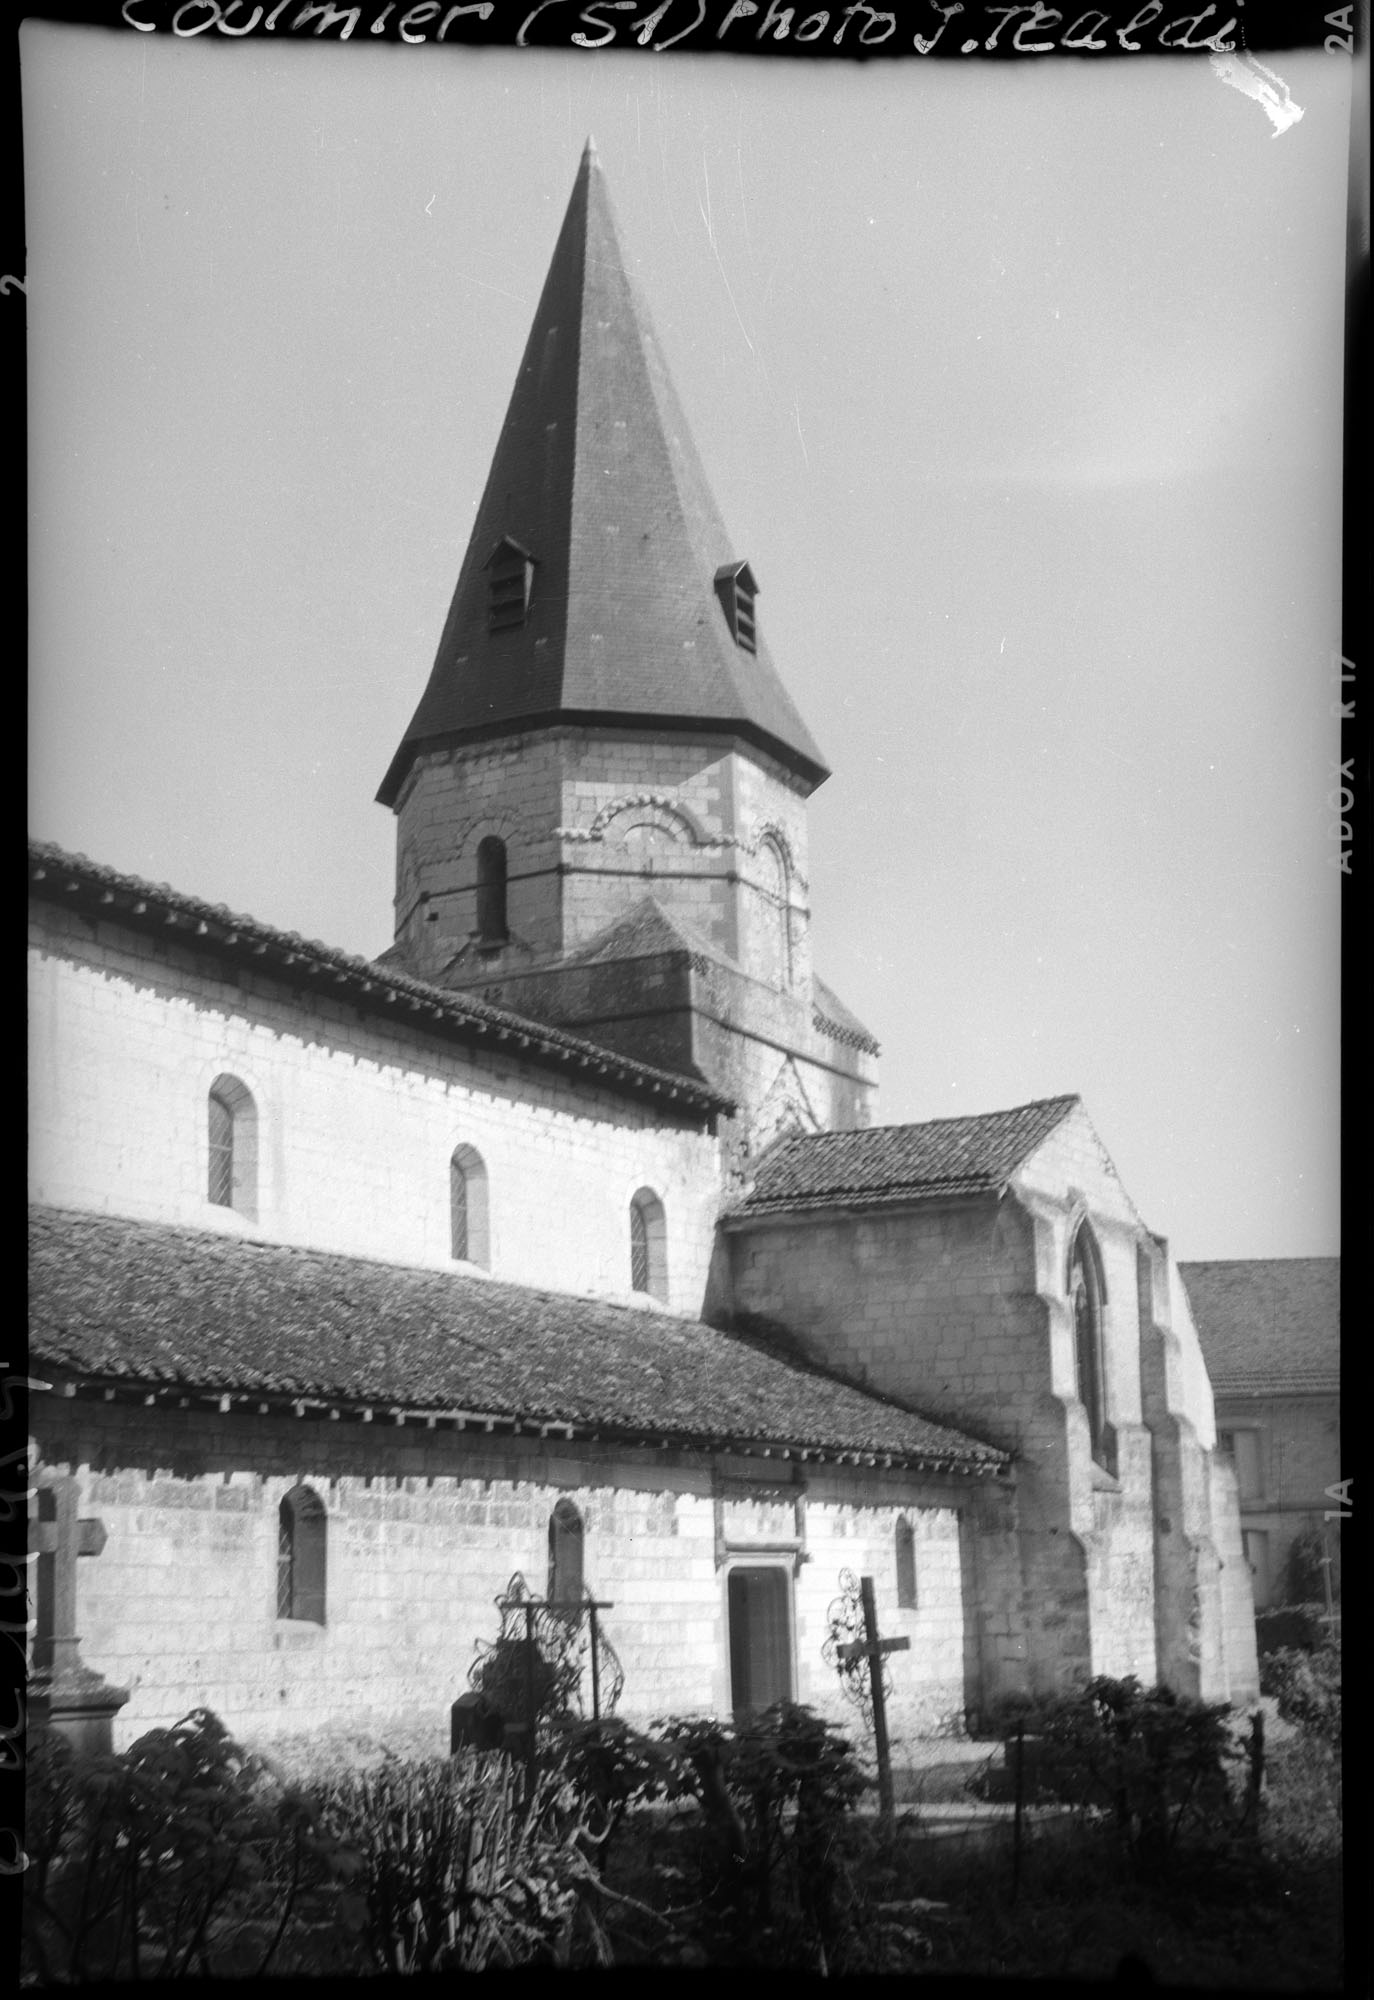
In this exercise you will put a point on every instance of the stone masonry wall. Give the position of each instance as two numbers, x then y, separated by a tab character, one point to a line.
962	1307
356	1123
593	822
426	1528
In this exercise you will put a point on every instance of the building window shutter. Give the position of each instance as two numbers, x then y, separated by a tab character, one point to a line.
510	585
736	590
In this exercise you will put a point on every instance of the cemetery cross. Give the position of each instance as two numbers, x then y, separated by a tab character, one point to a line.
873	1649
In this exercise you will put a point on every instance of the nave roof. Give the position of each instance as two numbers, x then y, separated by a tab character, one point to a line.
149	1309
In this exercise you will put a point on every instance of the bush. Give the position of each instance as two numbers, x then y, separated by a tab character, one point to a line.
774	1791
1307	1686
1306	1570
1153	1760
457	1871
182	1854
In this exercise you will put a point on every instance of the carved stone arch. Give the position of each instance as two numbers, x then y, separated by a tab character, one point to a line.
771	833
659	809
505	826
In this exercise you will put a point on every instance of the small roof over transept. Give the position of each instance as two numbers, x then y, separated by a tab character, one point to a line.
891	1163
596	485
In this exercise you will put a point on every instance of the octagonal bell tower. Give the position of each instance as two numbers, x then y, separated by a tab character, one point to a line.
601	798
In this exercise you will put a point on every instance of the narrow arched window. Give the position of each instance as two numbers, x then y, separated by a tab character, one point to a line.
906	1564
232	1135
491	890
776	916
1087	1296
301	1535
469	1240
565	1554
648	1245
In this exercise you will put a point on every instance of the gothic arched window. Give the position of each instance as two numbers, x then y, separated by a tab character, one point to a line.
906	1564
491	890
232	1132
469	1240
1087	1296
648	1245
566	1538
301	1535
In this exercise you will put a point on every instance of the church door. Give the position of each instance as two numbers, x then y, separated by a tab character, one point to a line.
760	1638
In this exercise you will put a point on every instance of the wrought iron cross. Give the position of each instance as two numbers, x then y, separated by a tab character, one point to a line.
873	1649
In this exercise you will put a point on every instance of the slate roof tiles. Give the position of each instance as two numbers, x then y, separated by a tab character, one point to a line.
896	1163
1269	1326
137	1303
596	475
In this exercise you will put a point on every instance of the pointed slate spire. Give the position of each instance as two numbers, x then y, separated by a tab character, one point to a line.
589	590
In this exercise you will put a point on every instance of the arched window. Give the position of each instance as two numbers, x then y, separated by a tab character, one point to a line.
491	890
648	1245
565	1554
232	1122
301	1524
776	916
1087	1296
906	1564
467	1207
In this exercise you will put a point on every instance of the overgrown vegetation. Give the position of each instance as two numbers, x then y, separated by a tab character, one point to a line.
702	1843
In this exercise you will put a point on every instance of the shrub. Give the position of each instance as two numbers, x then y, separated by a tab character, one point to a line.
1307	1686
183	1853
775	1791
458	1871
1306	1570
1155	1761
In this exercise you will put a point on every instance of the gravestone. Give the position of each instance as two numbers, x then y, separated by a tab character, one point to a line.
63	1691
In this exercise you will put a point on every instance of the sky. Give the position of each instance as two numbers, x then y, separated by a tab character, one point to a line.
1018	386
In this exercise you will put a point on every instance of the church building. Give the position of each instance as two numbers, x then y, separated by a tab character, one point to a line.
558	1242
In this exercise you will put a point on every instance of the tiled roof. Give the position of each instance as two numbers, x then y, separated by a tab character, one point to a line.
399	1000
596	475
647	931
895	1163
1269	1326
142	1305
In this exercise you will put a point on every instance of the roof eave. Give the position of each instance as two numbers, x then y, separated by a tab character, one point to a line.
316	1403
149	906
846	1207
809	769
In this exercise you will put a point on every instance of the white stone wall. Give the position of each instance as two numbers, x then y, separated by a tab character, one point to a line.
425	1530
356	1122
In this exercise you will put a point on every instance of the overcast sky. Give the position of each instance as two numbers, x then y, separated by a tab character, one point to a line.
1019	388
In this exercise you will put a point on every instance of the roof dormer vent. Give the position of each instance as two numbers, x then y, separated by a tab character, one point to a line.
736	589
510	581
